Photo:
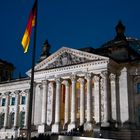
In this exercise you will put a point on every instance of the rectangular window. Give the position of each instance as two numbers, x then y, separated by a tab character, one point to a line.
23	100
3	101
13	101
138	88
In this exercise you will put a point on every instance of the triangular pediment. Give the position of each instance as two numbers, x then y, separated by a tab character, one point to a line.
66	57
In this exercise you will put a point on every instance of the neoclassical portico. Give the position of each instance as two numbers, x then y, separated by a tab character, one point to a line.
75	88
64	104
67	117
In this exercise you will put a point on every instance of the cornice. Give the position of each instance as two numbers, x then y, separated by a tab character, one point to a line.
78	69
13	86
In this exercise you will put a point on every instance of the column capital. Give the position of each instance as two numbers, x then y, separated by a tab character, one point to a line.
7	93
40	86
51	83
73	77
96	78
17	92
104	73
27	91
66	83
44	82
82	81
34	84
88	75
58	80
112	77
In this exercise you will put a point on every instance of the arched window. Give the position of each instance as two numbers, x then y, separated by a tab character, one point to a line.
2	120
21	119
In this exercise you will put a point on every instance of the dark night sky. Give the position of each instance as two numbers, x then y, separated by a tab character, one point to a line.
69	23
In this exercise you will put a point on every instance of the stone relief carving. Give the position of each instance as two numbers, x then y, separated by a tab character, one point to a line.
66	59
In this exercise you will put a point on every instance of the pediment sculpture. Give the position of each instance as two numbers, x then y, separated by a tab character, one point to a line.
66	59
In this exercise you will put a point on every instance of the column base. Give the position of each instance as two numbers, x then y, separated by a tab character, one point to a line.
56	128
41	128
15	128
105	124
71	126
4	128
88	126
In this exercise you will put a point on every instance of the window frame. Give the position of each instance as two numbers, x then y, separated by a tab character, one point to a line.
13	101
3	102
23	100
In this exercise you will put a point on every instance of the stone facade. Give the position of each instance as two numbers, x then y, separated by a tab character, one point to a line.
94	93
75	88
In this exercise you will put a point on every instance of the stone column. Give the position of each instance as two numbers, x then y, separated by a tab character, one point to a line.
113	97
118	124
38	104
41	128
67	97
123	95
16	109
56	126
97	99
73	104
104	100
27	107
88	124
6	110
51	103
82	101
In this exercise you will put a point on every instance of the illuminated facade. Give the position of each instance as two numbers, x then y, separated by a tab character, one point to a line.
96	88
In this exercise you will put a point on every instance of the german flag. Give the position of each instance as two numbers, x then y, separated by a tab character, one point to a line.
31	23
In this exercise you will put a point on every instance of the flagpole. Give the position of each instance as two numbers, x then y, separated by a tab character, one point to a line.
32	79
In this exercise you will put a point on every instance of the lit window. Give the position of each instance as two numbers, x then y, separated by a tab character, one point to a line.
13	101
138	88
3	101
23	100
